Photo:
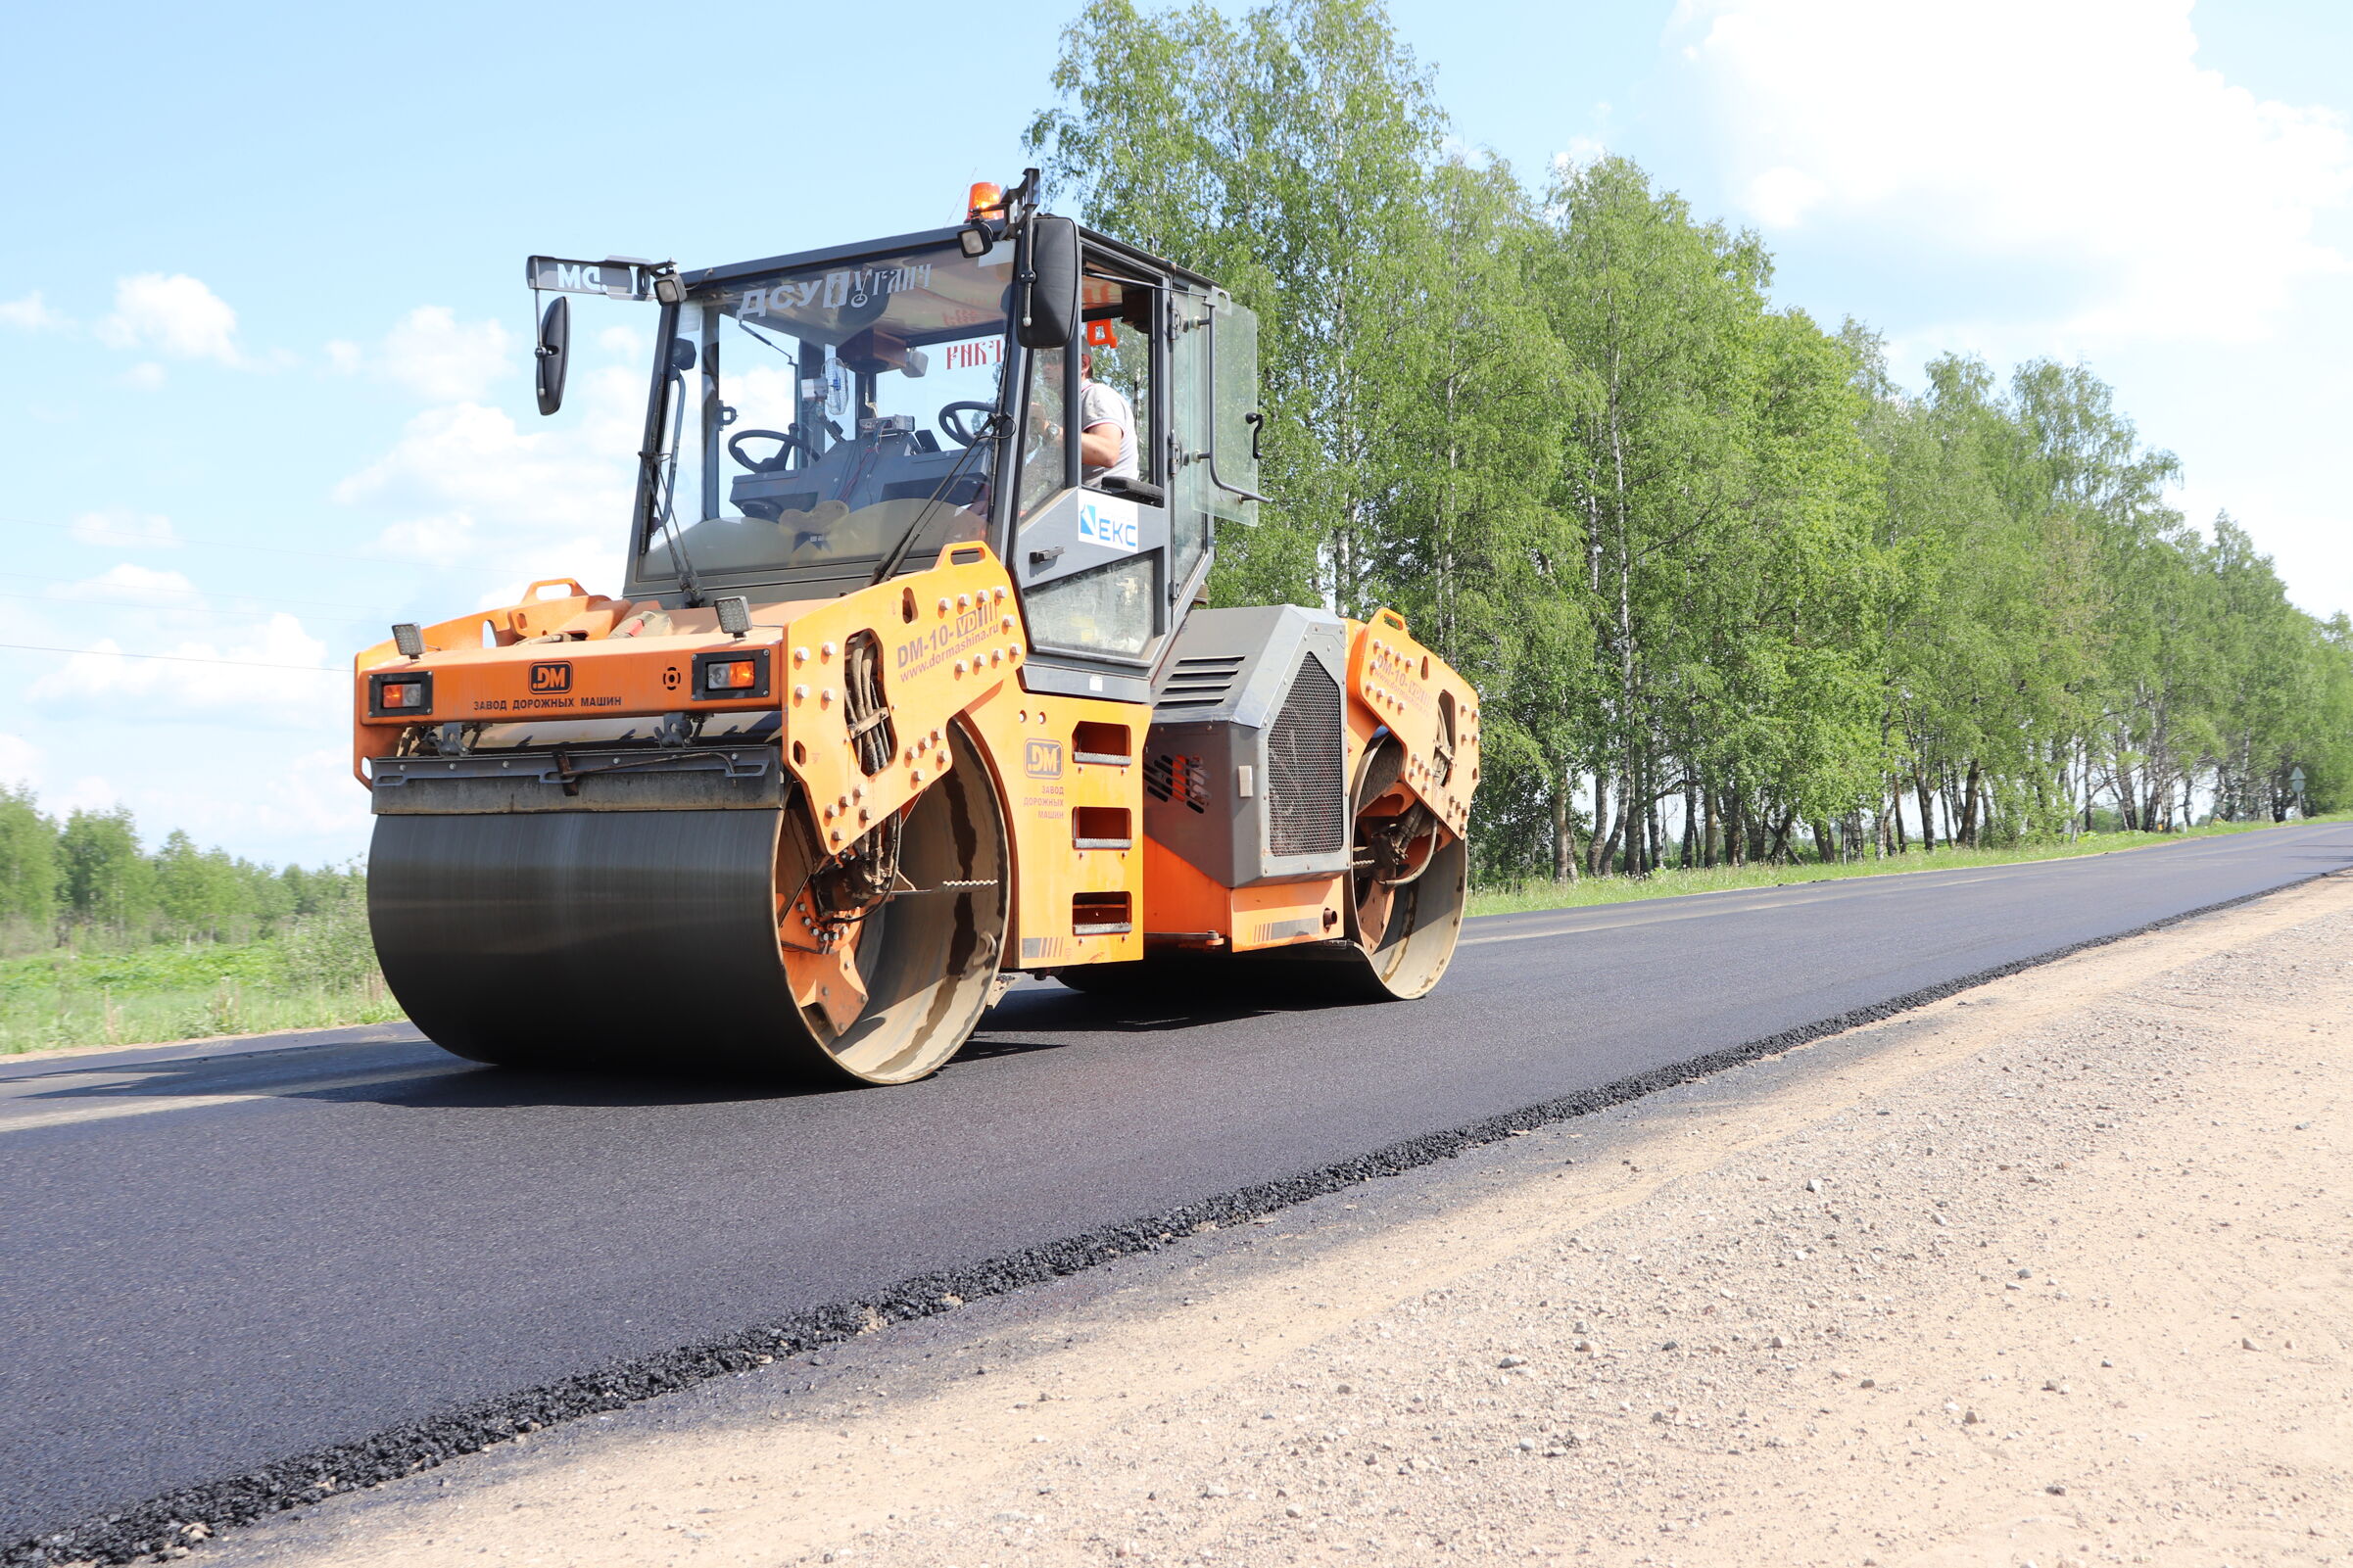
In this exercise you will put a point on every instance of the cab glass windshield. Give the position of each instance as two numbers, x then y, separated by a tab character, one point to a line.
816	414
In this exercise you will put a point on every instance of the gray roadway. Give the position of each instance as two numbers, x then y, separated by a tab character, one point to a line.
212	1260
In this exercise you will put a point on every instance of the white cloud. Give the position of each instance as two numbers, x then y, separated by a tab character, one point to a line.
433	354
145	376
466	483
151	529
477	457
442	539
2077	136
1582	152
134	584
318	796
312	810
30	314
90	792
1782	197
177	314
19	761
1470	155
2305	534
258	675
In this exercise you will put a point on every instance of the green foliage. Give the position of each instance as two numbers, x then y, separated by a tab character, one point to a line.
109	882
72	996
1284	153
87	883
330	948
199	891
29	870
115	946
1728	592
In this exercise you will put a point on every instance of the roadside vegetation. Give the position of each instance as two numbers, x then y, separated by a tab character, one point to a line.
103	942
1732	594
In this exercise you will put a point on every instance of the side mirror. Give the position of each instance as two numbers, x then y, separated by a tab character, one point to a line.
555	347
1047	314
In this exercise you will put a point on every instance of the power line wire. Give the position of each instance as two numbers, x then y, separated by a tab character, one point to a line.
175	658
183	607
129	540
247	599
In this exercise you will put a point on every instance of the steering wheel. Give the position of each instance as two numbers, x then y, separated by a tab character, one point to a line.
951	420
787	445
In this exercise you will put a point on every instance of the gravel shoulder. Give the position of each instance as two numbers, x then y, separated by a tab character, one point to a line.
2056	1271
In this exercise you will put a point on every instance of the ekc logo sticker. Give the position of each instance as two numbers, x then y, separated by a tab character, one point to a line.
1103	527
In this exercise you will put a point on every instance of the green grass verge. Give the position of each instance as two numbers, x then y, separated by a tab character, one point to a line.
1586	890
316	974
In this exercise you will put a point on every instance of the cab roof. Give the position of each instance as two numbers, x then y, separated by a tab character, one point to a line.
900	243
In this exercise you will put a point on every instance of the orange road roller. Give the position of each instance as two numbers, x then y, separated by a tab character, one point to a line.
908	687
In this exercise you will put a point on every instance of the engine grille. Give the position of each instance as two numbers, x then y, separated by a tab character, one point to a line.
1198	683
1304	815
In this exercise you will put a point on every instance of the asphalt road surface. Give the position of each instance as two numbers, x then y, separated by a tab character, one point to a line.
214	1260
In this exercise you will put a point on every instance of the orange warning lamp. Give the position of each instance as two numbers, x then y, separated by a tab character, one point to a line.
732	673
987	200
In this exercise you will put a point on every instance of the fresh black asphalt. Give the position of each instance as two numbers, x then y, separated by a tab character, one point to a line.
217	1260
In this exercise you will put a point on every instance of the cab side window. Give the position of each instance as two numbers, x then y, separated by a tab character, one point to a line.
1045	428
1117	352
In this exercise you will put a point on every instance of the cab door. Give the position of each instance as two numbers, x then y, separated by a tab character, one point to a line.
1091	557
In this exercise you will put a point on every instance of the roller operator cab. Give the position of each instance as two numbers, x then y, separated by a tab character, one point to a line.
900	692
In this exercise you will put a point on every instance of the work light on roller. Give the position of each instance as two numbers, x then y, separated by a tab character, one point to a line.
895	700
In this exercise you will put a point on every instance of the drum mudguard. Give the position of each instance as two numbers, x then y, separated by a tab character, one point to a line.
1432	711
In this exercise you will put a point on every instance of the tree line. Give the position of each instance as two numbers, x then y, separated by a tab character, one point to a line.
1730	592
87	878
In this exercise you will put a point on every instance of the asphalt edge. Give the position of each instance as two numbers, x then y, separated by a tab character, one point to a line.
189	1516
22	1065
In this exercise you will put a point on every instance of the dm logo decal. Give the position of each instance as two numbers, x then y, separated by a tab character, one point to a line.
551	677
1043	759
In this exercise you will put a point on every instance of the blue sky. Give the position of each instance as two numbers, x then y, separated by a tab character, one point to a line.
261	321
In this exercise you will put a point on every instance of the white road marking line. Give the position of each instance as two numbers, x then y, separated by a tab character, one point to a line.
147	1104
1615	924
1842	886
